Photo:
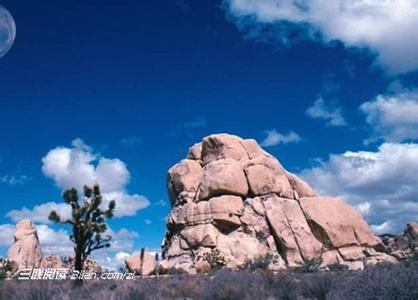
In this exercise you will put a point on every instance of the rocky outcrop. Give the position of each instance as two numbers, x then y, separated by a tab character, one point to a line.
26	250
142	263
232	196
404	245
52	262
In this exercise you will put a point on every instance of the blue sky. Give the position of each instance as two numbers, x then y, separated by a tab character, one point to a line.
329	88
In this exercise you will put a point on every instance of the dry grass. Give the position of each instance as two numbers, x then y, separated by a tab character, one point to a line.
382	282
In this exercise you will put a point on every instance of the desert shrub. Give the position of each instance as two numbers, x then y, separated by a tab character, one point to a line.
414	250
215	259
385	281
338	267
310	265
226	284
317	286
261	262
6	268
175	271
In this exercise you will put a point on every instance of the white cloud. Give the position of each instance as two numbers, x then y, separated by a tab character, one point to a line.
122	240
385	227
381	184
14	180
7	232
364	208
274	138
79	166
54	241
393	118
385	27
321	110
39	213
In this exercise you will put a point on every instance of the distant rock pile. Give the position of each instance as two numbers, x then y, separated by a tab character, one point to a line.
26	250
232	196
405	245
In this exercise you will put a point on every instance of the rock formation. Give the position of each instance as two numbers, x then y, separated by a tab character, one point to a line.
231	195
26	252
144	264
52	262
26	249
405	245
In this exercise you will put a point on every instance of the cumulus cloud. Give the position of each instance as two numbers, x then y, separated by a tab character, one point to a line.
393	118
7	232
385	27
39	213
54	241
274	138
382	184
79	165
112	262
323	111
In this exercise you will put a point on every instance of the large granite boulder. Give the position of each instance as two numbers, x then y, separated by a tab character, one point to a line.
231	196
26	250
142	263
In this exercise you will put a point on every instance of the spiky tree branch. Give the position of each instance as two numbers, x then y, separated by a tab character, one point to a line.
87	222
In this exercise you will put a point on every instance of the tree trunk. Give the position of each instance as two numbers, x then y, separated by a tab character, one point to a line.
78	264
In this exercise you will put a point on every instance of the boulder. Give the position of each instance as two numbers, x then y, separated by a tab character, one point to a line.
301	188
254	224
412	230
195	152
404	245
337	224
200	235
351	253
238	247
331	257
223	177
231	196
26	250
52	262
289	226
223	146
144	264
225	211
184	178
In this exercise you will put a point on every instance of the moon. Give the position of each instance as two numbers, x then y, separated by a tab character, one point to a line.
7	31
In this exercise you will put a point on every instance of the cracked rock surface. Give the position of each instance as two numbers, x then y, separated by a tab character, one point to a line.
230	195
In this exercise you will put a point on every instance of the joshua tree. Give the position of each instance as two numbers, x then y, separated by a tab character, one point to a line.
87	222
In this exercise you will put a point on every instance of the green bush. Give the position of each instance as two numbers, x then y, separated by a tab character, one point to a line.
6	266
310	265
262	262
215	259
